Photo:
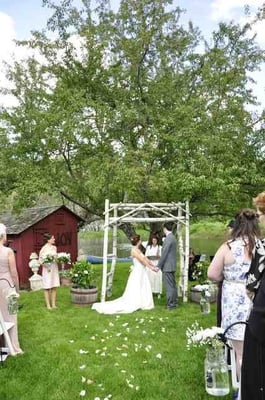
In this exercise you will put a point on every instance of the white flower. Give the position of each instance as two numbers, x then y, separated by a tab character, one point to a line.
197	337
64	257
83	351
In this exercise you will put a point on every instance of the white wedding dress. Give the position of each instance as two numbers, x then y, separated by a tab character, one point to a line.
137	294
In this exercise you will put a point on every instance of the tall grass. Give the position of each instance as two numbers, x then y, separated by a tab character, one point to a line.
135	356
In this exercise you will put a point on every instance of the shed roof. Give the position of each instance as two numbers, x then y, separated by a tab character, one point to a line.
17	224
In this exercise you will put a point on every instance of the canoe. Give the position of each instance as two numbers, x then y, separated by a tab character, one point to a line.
99	260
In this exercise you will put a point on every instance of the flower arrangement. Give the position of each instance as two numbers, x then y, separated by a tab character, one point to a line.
198	337
200	271
65	273
82	275
64	258
47	259
206	290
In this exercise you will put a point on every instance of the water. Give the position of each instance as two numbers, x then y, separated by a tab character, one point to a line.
94	246
216	372
205	305
217	392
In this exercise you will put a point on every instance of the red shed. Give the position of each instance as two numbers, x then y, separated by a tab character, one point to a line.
25	234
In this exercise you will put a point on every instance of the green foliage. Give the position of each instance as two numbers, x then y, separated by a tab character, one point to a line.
82	274
200	272
144	110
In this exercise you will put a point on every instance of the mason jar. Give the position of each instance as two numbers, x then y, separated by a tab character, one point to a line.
216	372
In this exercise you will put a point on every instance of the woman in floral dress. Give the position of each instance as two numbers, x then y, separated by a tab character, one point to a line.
50	272
231	264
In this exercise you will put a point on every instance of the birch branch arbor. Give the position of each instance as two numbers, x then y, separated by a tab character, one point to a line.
118	213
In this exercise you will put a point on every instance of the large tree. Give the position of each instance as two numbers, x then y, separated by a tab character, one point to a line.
133	106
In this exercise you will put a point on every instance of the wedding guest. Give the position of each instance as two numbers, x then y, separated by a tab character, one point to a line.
153	253
230	265
137	294
192	261
230	227
253	363
167	264
8	281
50	272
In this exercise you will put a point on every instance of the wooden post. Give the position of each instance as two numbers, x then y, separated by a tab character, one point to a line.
105	252
114	254
187	252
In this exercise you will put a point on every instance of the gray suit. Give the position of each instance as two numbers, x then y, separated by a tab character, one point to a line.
167	264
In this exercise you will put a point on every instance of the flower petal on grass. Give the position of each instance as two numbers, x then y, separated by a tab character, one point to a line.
83	351
159	356
71	341
82	366
82	393
124	354
125	324
83	379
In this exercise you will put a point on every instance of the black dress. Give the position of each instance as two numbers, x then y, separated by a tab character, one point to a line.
253	362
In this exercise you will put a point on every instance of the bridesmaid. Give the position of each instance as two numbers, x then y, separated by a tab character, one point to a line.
8	279
50	272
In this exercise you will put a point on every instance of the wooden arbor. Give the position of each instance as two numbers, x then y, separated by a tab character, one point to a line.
118	213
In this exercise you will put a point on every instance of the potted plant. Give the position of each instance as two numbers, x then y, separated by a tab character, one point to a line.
84	289
65	277
204	288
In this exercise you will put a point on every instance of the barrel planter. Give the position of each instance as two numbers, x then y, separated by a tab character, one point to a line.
84	297
195	294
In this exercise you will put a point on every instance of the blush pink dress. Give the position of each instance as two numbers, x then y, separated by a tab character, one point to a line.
4	290
50	272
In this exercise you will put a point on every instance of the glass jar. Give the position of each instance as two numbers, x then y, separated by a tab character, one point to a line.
205	304
216	372
12	304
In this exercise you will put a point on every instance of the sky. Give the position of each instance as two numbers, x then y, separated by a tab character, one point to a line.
19	17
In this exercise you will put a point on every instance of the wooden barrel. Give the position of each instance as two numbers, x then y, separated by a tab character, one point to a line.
84	297
195	294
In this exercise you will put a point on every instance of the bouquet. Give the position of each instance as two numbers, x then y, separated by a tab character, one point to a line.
47	259
64	258
198	337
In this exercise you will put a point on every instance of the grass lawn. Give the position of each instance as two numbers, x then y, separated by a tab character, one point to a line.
125	357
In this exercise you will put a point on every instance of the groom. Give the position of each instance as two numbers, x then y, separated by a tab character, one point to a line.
167	264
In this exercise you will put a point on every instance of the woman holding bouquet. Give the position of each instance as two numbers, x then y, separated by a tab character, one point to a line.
50	272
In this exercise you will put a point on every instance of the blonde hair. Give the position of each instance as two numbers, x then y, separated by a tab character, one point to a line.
259	202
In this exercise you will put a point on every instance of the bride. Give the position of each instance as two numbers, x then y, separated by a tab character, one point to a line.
138	292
